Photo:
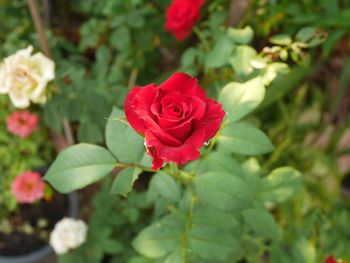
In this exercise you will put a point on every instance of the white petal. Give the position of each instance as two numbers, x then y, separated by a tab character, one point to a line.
46	65
38	91
24	52
3	87
19	100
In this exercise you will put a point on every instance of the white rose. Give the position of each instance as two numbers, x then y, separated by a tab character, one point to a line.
68	234
24	77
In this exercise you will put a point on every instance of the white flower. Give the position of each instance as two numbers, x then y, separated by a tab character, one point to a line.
24	77
68	234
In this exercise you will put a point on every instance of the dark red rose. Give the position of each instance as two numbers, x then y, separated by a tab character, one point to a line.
330	259
175	117
181	16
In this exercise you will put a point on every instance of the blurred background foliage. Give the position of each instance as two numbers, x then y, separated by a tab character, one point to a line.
102	48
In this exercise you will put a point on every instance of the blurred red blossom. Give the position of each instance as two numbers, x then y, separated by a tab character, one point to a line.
330	259
181	16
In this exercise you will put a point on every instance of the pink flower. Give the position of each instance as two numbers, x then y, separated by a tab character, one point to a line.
28	187
22	123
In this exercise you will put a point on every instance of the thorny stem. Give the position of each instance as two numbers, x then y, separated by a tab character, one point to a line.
39	27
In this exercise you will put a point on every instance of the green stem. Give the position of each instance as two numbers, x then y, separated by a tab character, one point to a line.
174	169
187	229
146	169
202	39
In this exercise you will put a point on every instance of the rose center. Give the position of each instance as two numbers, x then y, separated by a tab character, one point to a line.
173	109
28	187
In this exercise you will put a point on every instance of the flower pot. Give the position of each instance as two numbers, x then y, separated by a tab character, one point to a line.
46	250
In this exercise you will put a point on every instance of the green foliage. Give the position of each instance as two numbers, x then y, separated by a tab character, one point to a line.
122	141
280	185
165	186
262	223
239	99
111	228
123	184
244	138
241	36
222	207
224	191
79	166
220	53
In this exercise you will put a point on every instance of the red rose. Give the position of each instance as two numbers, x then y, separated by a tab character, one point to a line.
330	260
176	118
181	16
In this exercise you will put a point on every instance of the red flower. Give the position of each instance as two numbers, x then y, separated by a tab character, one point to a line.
330	259
28	187
181	16
176	118
22	123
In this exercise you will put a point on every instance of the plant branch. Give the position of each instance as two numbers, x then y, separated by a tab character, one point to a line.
132	78
187	229
39	27
129	165
201	37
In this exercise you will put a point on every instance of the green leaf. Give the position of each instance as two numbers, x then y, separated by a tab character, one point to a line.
188	57
90	132
124	181
160	238
243	138
262	223
120	38
241	36
305	34
218	161
122	140
224	191
239	99
135	19
175	256
111	246
52	117
282	40
166	186
138	259
220	54
307	250
211	216
280	185
211	244
79	166
241	60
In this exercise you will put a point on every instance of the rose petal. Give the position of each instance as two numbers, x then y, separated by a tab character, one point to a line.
183	83
132	118
179	155
213	117
181	131
162	135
